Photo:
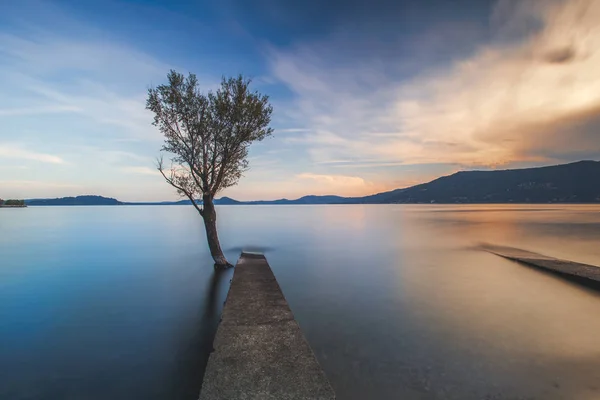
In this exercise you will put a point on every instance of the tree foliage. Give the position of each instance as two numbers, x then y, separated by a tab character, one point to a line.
207	135
14	202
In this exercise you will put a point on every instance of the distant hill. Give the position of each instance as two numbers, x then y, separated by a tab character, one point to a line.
311	199
577	182
75	201
108	201
222	201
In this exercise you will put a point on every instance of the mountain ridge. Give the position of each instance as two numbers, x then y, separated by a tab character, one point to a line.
577	182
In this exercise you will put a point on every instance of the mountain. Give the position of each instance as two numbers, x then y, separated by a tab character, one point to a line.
75	201
578	182
108	201
222	201
311	199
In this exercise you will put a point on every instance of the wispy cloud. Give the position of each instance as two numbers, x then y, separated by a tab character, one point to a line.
10	112
334	179
141	170
27	189
13	167
531	99
365	163
13	152
346	185
292	130
101	80
111	155
532	93
44	53
36	184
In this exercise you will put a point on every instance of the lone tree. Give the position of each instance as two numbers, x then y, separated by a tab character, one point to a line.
207	137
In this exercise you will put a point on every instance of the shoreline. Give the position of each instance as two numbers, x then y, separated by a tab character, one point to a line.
315	204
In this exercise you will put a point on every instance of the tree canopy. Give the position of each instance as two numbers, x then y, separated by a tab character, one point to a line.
13	202
207	135
207	138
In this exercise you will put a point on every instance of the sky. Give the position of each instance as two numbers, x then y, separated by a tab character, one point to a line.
368	96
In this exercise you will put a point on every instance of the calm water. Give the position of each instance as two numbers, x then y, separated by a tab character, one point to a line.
396	301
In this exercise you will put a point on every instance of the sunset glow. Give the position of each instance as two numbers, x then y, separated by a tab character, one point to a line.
504	84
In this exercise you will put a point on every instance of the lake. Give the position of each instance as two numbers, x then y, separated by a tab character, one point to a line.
397	301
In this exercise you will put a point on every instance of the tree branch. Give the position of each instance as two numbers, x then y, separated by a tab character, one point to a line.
181	189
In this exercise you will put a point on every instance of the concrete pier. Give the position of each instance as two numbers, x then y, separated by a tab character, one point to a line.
584	272
259	350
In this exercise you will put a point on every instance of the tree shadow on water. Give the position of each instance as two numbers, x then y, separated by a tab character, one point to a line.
192	359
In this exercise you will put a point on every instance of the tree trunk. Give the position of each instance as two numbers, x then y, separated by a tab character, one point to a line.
210	223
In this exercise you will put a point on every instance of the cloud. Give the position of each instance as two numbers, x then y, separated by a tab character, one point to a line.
337	180
45	53
37	110
14	167
344	185
26	184
7	151
74	89
109	156
291	130
28	189
363	163
517	98
141	170
102	81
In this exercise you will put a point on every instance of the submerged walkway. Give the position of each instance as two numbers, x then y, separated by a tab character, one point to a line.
583	271
260	352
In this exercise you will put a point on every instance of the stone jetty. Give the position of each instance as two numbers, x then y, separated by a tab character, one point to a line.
584	272
259	349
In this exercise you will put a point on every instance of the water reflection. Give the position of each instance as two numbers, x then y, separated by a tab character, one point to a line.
396	301
193	355
496	321
412	310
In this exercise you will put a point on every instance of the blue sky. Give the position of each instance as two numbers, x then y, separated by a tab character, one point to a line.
368	96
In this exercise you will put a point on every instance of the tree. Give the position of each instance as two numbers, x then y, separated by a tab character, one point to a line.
207	137
14	203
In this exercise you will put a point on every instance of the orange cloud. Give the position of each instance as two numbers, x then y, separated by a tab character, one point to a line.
491	102
531	99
